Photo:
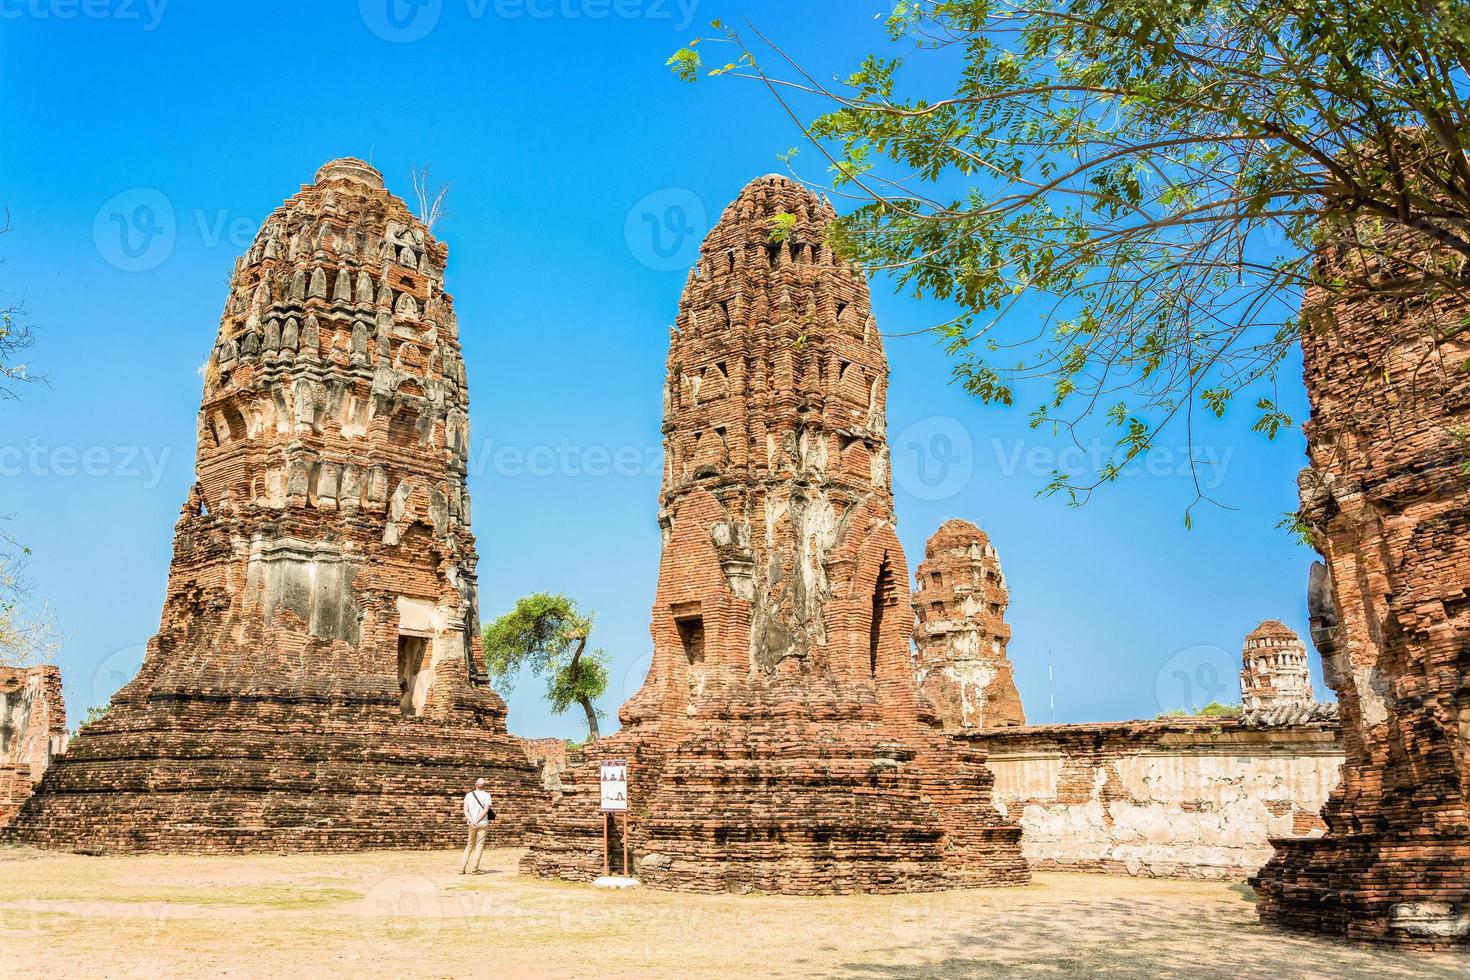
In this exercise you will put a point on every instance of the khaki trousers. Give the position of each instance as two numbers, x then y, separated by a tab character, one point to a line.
473	845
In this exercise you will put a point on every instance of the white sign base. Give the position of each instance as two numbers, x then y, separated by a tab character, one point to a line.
615	881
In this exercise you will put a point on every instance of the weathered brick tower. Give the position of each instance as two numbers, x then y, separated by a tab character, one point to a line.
1273	671
779	742
1388	503
315	682
960	604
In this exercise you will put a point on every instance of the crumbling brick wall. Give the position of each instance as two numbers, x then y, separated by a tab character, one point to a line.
779	742
32	731
315	682
1177	797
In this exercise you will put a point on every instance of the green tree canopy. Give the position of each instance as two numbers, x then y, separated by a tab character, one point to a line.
548	634
1141	185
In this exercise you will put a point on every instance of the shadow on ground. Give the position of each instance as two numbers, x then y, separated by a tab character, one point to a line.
1079	937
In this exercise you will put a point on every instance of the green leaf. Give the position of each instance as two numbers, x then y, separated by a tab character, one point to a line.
782	224
686	63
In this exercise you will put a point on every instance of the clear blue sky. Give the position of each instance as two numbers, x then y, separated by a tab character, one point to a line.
582	176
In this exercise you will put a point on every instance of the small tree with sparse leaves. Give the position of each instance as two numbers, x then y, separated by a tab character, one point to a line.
548	634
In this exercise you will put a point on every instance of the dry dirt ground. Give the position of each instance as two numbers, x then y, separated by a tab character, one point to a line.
410	914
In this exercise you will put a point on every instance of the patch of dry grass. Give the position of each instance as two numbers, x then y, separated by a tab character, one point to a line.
409	913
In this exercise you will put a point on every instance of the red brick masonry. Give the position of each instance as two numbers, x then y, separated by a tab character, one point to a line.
32	731
1388	503
780	743
960	604
315	682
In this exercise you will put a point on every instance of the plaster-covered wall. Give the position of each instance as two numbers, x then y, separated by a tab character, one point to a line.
1195	798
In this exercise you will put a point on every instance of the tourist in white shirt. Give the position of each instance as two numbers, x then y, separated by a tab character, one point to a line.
477	814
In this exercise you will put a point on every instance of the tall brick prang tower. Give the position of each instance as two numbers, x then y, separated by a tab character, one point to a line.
780	742
315	683
960	604
1387	501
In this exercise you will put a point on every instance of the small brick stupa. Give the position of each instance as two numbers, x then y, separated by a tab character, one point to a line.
780	743
315	683
1274	670
960	603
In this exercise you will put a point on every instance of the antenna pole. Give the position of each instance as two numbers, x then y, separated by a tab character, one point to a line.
1051	685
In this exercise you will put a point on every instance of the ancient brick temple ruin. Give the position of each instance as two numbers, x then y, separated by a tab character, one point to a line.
960	603
1387	504
780	742
315	683
1275	684
32	731
1274	670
